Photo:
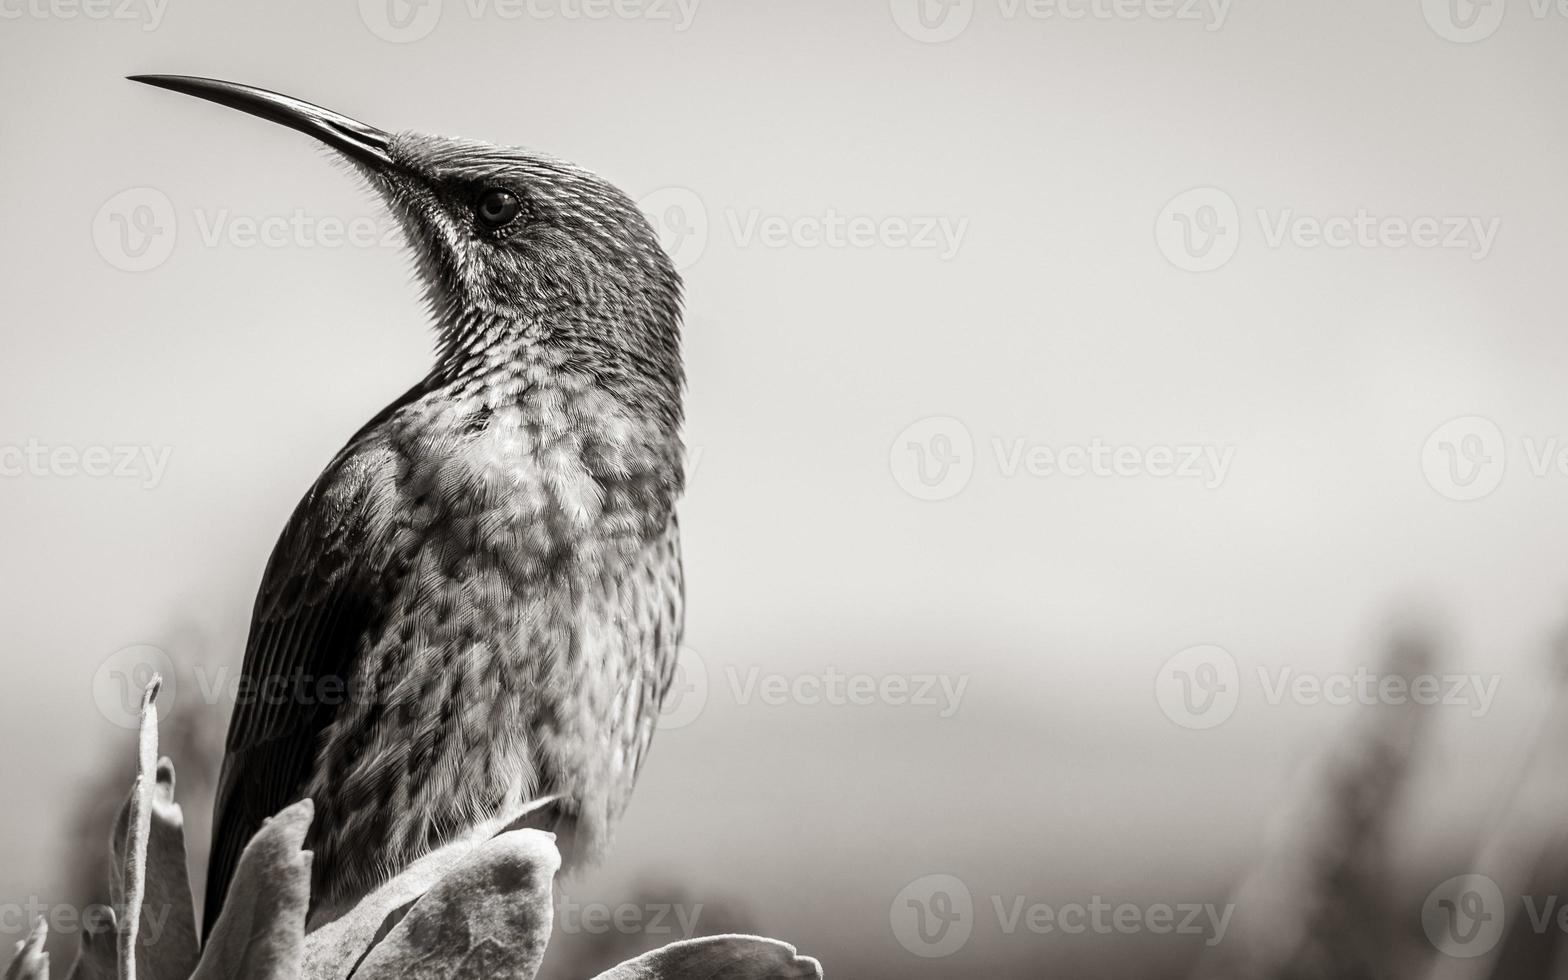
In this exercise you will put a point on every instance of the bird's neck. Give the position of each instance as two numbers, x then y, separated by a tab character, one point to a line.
498	371
476	351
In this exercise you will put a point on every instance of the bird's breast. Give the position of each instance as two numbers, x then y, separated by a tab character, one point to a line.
557	473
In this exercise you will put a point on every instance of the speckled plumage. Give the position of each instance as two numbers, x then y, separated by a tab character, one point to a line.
491	567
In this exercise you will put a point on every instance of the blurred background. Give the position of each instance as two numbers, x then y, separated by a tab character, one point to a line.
1126	526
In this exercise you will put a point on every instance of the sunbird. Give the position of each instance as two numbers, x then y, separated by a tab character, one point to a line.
479	602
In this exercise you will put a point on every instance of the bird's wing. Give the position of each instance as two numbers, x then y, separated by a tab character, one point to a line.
318	599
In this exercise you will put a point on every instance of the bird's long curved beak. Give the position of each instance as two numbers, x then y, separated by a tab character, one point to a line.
362	143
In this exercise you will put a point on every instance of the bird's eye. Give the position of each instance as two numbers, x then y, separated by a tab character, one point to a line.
497	208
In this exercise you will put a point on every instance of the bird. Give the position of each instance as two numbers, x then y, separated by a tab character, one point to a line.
480	601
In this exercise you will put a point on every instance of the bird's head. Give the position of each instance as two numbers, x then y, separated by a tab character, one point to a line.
529	263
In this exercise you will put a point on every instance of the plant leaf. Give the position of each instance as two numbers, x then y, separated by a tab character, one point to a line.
131	835
730	957
97	953
333	950
31	962
489	919
260	935
168	947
